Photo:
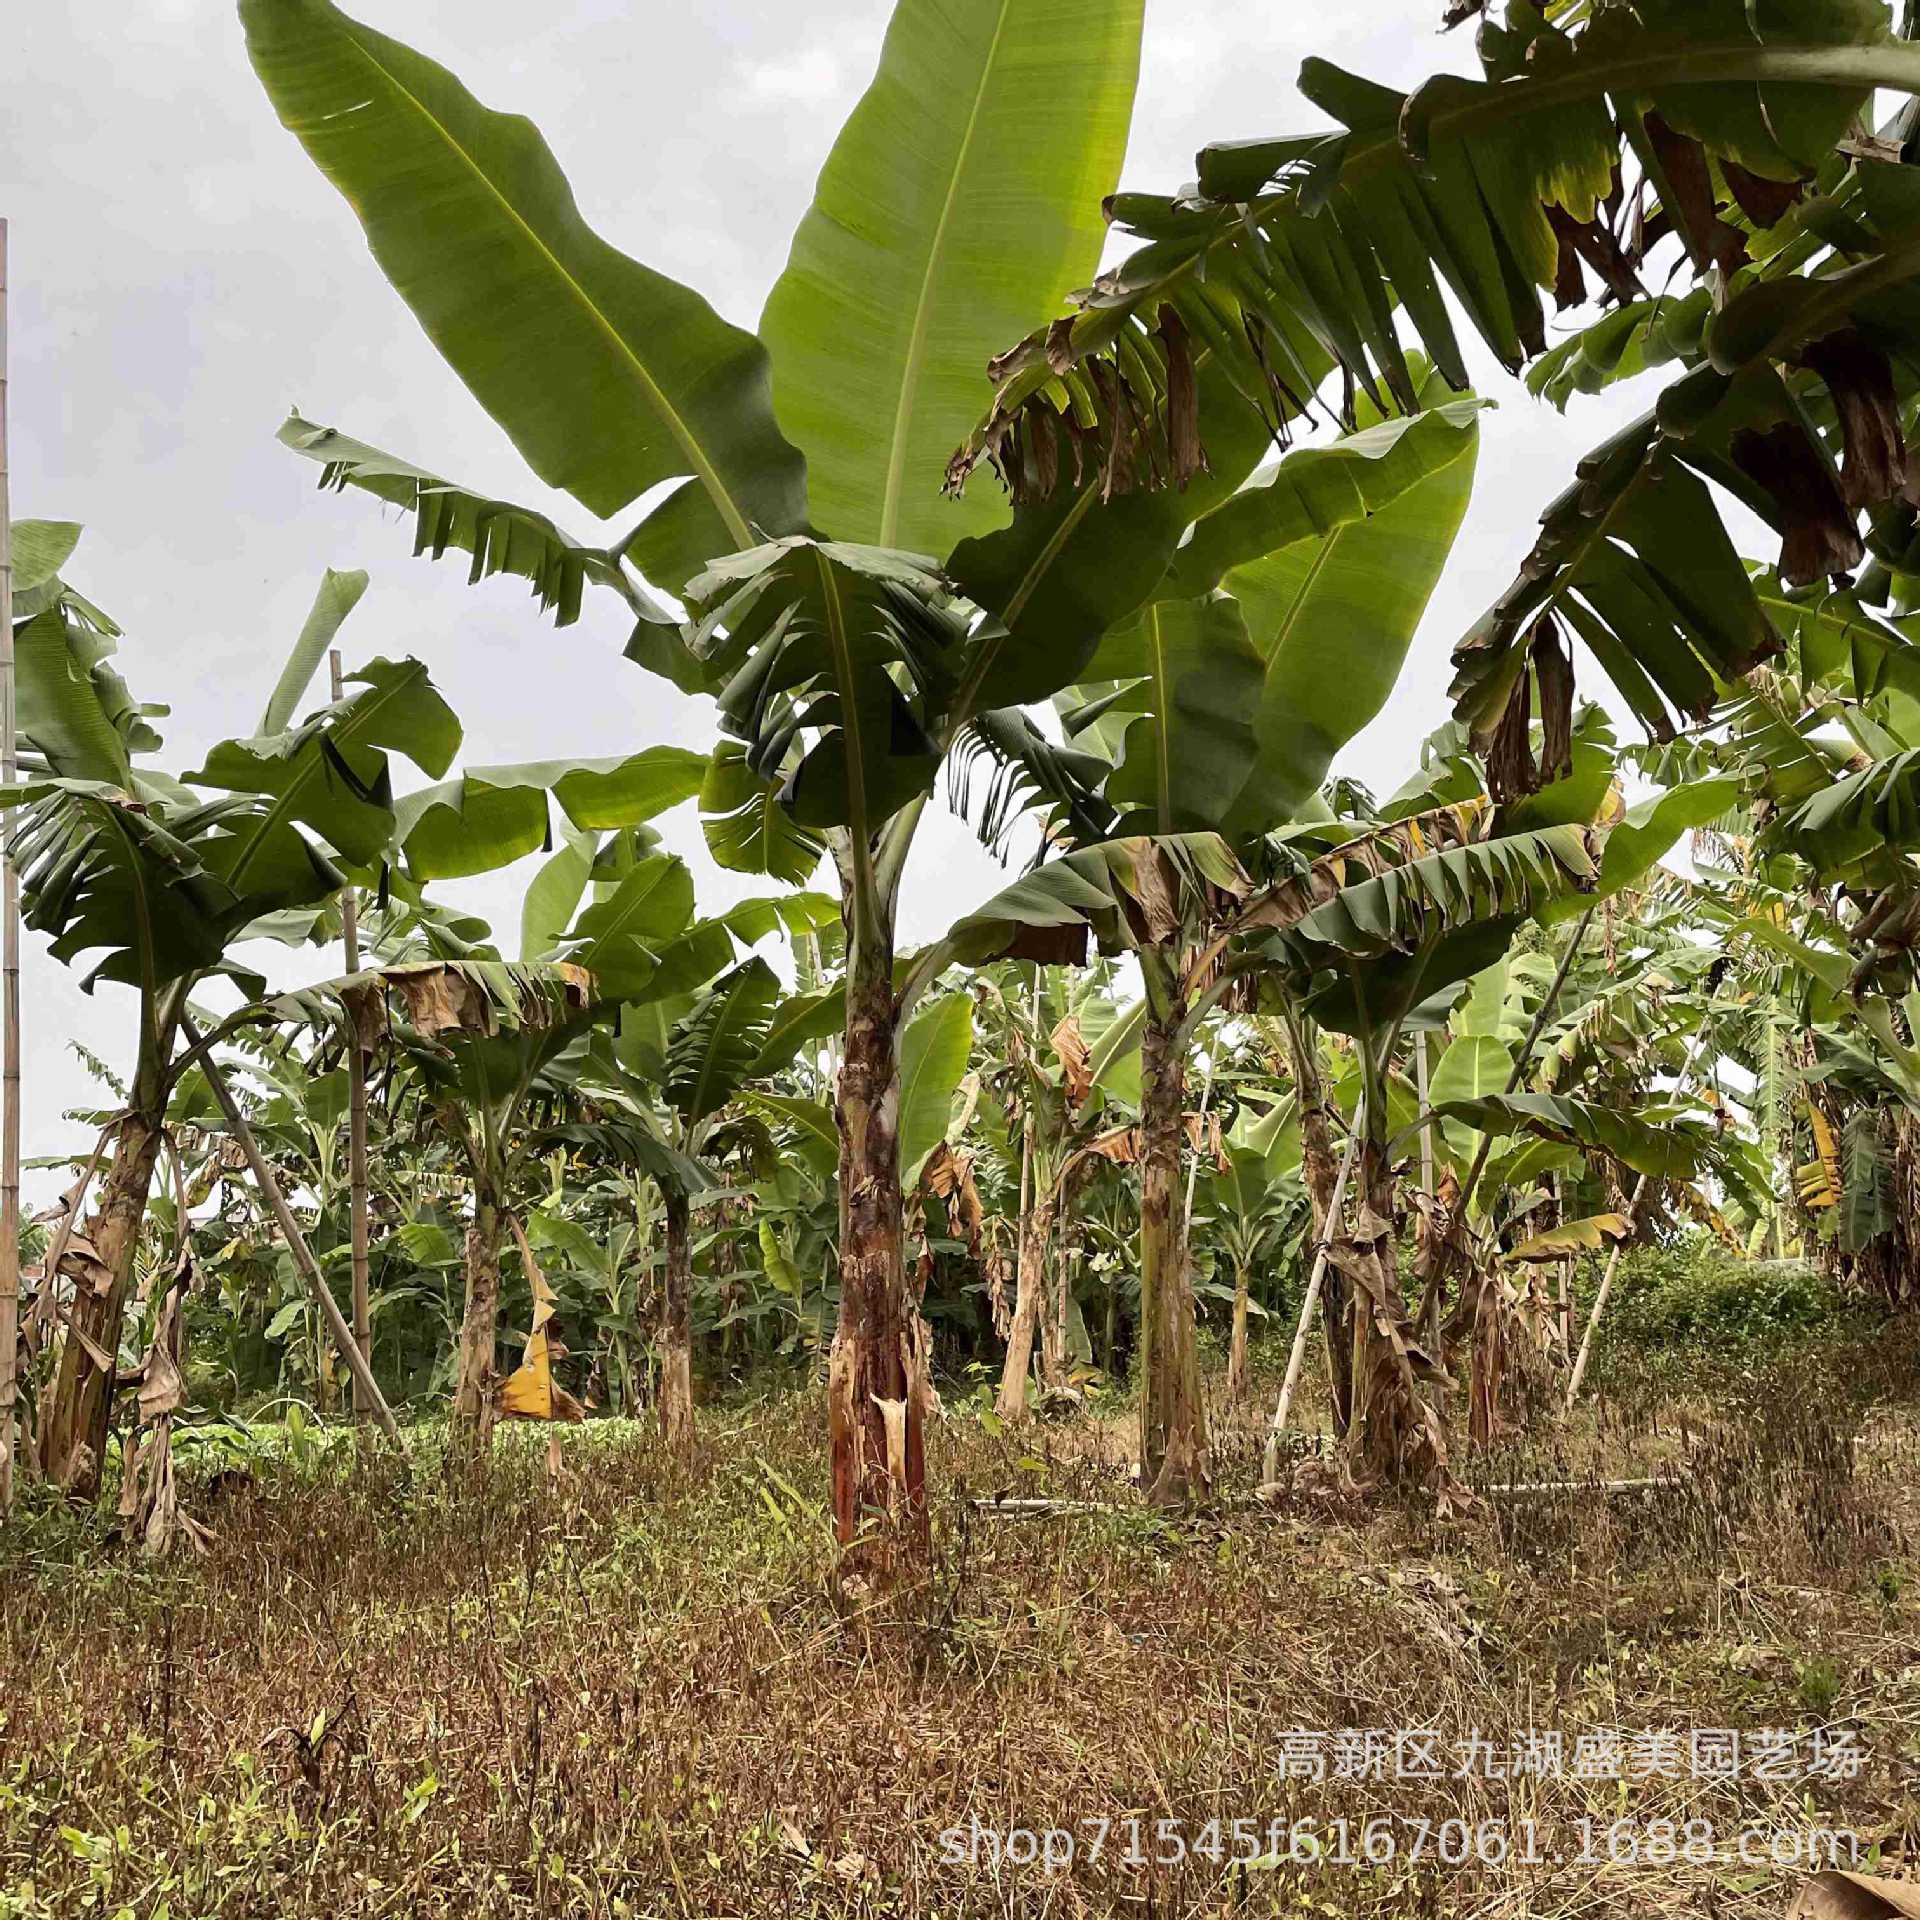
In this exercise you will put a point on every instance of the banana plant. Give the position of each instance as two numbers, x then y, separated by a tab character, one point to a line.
961	197
1216	708
162	877
692	1063
608	934
1604	151
1251	1210
1056	1038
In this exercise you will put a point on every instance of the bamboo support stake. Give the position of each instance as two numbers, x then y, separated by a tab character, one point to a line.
1436	1285
1270	1469
356	1129
1619	1246
309	1267
1606	1287
9	971
1432	1301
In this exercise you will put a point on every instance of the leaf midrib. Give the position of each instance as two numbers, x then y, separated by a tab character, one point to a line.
688	442
917	334
1163	728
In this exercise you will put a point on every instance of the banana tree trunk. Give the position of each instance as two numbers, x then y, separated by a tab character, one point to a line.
1029	1285
1237	1351
1395	1436
676	1332
479	1322
72	1436
73	1429
876	1381
1321	1175
1173	1421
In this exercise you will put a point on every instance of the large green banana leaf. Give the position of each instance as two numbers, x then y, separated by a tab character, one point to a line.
554	894
609	377
961	199
498	536
1077	559
746	827
1473	1066
1317	491
1261	1148
488	817
1414	903
1048	913
717	1044
1333	616
40	548
933	1062
331	774
148	882
339	594
845	642
66	700
621	938
1665	1143
801	1019
1193	689
1244	698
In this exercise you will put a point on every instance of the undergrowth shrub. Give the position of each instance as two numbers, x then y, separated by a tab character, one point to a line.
1697	1298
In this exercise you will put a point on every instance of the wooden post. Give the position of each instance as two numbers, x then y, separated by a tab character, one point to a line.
1270	1470
356	1130
303	1259
9	969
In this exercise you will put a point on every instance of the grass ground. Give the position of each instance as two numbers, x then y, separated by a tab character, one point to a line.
636	1692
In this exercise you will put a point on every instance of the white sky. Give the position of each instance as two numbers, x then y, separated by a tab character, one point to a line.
182	275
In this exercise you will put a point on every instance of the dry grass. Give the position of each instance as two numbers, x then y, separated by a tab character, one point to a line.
637	1694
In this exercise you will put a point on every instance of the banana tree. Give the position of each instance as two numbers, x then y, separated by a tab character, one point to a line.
1696	142
1046	1030
1250	1211
483	1038
1274	636
692	1059
961	197
167	875
634	949
1376	938
164	878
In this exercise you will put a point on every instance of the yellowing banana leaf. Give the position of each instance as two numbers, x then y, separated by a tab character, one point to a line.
1572	1236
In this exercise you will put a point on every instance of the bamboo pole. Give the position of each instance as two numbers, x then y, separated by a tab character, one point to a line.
1270	1469
1619	1246
1436	1284
1606	1287
309	1267
356	1128
1563	1271
9	970
1431	1332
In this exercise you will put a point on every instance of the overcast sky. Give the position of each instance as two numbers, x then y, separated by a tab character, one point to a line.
182	275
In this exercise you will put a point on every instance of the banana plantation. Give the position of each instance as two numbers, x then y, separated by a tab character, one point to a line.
763	1379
